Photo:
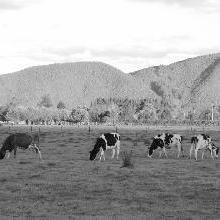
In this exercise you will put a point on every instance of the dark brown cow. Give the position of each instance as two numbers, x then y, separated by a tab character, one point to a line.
19	140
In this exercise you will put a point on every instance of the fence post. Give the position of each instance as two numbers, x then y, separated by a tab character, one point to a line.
135	142
39	131
61	130
38	136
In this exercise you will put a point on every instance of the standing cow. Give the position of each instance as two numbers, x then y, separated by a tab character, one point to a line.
203	142
107	141
19	140
165	141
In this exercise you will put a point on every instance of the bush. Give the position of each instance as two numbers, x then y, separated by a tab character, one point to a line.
127	160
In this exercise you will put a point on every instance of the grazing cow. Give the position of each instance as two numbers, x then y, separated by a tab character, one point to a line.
213	150
19	140
165	141
203	142
107	141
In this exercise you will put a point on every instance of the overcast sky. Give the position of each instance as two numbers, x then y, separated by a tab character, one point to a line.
128	34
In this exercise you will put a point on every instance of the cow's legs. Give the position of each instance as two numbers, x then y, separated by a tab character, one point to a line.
37	150
164	151
9	153
212	154
117	152
179	148
102	154
191	150
15	151
215	154
196	153
117	149
113	153
203	153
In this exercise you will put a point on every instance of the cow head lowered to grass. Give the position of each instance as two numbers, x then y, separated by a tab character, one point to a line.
165	141
19	140
107	141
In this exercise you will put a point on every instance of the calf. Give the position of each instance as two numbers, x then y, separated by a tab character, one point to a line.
19	140
107	141
203	142
165	141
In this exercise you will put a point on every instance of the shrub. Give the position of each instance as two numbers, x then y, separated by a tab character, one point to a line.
46	101
127	160
61	105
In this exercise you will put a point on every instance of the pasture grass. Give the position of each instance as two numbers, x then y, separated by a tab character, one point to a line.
66	185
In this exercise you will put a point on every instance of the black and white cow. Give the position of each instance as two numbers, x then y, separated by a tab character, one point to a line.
165	141
213	150
107	141
19	140
203	142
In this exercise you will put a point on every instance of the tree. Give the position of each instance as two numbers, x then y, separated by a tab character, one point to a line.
13	115
205	115
64	115
164	109
3	112
45	101
61	105
80	115
113	110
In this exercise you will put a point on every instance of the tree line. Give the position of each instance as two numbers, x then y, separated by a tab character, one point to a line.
102	110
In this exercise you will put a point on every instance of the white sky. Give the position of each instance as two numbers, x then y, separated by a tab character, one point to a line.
128	34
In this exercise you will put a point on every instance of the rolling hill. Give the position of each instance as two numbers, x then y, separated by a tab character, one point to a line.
193	82
72	83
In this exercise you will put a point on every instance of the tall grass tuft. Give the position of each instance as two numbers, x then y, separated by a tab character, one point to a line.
127	160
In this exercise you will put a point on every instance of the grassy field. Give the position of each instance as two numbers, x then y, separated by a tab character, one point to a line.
66	185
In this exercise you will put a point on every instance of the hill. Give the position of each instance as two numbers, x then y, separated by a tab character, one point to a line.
72	83
189	83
